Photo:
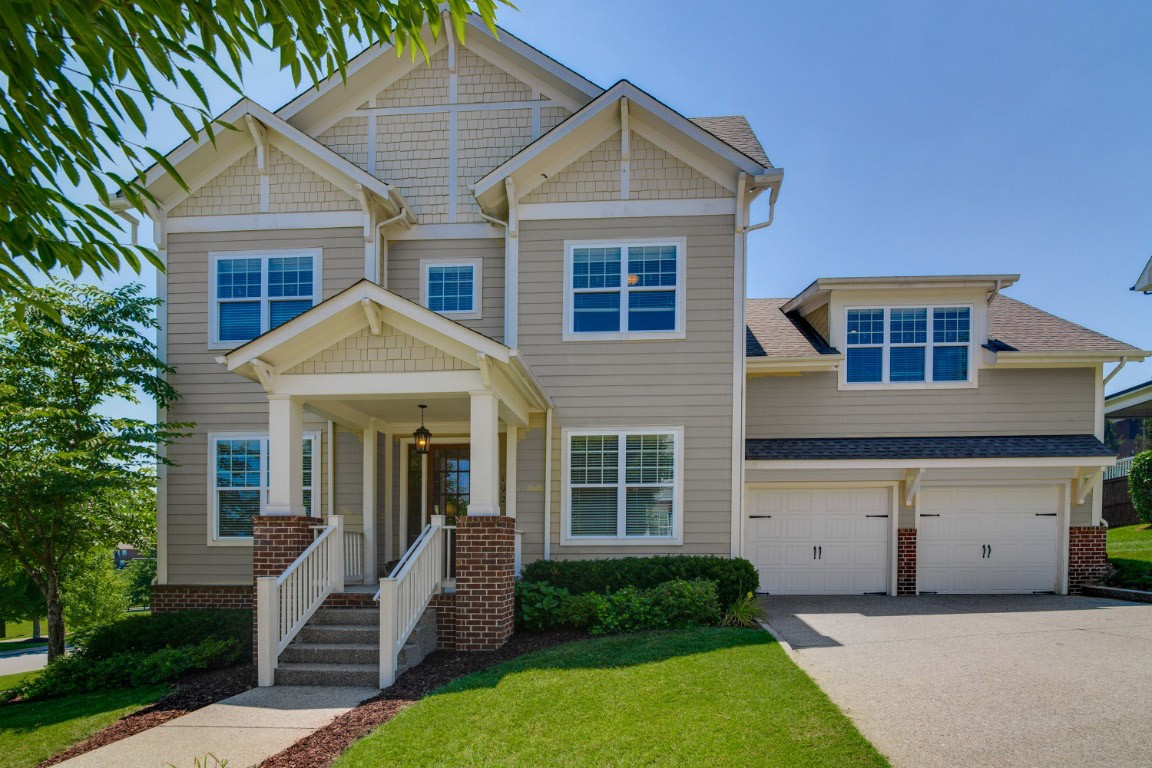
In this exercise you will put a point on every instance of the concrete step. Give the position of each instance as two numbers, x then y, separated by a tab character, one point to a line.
365	675
342	634
331	653
346	616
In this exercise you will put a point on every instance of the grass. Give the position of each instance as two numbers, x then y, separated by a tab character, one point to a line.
1130	550
34	731
8	682
19	633
715	697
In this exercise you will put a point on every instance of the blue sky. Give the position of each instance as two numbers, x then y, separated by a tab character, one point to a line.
917	137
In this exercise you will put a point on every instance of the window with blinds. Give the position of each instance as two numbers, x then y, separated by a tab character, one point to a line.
256	291
240	481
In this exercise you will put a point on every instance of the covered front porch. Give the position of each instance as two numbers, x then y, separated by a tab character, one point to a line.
390	474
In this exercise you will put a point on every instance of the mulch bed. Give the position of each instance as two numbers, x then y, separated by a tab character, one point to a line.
321	749
191	693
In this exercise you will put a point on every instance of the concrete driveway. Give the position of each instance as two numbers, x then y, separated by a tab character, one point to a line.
1007	680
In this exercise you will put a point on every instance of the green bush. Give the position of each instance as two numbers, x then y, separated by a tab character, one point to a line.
677	604
1140	485
734	577
147	633
81	673
540	607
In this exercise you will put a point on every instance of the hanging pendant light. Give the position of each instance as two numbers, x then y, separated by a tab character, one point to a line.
422	436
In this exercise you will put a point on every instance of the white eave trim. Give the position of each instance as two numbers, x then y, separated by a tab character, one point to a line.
1005	463
817	291
793	364
1015	359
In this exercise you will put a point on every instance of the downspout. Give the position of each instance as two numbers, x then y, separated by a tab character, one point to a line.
1116	370
382	247
548	485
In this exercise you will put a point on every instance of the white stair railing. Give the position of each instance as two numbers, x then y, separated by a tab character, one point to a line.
405	594
353	556
284	603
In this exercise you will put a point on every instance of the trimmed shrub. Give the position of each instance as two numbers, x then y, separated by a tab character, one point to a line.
1140	485
80	673
148	633
540	607
734	577
677	604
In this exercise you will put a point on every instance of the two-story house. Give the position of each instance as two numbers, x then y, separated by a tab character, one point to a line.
484	284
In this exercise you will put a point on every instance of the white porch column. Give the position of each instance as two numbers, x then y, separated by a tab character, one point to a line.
369	509
484	497
285	456
510	440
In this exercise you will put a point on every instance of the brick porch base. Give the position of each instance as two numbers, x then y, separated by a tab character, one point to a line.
167	598
906	561
485	581
1087	557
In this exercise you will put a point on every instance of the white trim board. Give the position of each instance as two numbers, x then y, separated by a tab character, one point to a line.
1070	462
265	221
627	208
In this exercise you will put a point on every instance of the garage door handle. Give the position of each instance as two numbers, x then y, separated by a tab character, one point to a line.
813	553
983	551
1045	514
924	515
758	517
876	516
819	553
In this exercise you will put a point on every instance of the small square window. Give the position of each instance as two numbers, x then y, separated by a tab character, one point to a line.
452	288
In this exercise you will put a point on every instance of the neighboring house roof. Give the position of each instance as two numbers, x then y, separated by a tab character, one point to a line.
771	333
1144	282
990	447
1133	402
1018	327
736	132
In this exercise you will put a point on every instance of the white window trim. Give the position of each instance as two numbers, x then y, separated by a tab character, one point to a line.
677	537
477	285
214	341
679	332
886	347
214	537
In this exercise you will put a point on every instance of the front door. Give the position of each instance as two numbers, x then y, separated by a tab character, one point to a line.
448	480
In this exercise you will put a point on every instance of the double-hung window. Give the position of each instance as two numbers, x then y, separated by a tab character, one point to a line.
908	345
630	289
240	482
623	485
256	291
452	287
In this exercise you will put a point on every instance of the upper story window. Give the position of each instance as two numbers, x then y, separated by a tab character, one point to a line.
256	291
623	485
908	345
629	289
240	482
452	287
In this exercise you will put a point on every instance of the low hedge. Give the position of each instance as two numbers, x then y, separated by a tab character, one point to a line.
734	577
148	633
676	604
81	673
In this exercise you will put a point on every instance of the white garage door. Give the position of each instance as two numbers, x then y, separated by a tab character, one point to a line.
819	542
988	540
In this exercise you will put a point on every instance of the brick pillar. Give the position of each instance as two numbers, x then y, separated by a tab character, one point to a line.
485	591
445	605
906	561
1087	556
277	540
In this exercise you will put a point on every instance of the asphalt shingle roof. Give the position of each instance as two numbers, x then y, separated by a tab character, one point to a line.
735	131
1016	326
771	333
990	447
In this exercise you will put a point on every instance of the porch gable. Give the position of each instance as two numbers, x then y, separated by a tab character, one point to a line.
390	351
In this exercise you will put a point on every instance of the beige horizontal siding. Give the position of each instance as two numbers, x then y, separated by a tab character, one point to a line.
404	274
1006	402
219	401
640	383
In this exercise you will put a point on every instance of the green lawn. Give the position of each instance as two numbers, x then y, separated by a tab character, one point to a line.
715	697
1130	550
22	630
9	681
36	730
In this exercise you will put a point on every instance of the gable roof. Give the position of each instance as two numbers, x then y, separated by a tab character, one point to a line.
1014	326
599	119
199	159
1144	282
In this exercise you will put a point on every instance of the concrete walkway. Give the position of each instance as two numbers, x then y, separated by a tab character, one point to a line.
244	730
1004	681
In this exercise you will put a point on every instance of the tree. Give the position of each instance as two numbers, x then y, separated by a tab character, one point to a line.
1140	485
79	77
69	476
20	598
97	593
